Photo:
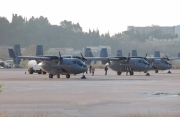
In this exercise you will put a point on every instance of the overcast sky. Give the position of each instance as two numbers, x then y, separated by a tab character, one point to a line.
106	15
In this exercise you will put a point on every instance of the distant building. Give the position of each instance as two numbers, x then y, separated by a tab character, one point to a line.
165	30
177	30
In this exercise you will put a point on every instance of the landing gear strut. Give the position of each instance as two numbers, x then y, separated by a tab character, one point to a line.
67	75
58	75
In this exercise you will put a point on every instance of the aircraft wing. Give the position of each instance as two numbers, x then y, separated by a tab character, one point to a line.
34	57
107	58
12	55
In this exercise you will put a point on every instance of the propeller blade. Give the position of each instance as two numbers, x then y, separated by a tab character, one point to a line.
83	59
129	56
60	59
145	57
167	57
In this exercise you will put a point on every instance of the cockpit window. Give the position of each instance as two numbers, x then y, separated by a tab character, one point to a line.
166	62
78	62
144	62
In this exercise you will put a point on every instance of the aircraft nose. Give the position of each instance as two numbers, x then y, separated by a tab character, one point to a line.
148	66
84	67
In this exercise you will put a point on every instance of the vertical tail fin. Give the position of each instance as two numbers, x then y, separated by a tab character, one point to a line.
119	53
17	52
88	53
39	50
104	53
156	54
134	53
179	54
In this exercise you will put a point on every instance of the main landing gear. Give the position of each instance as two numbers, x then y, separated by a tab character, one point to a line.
169	72
58	76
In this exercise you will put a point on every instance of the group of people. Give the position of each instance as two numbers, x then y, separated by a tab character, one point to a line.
92	69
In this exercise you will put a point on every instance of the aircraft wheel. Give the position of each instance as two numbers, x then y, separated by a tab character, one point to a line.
156	71
50	76
131	73
40	71
67	75
118	73
58	75
30	70
43	72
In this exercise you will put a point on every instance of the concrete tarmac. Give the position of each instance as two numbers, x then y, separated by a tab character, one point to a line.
26	95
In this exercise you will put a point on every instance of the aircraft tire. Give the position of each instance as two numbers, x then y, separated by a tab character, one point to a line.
131	73
30	70
50	76
67	75
40	71
43	72
118	73
156	71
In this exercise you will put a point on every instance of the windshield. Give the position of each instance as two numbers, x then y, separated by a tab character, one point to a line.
144	62
78	62
167	62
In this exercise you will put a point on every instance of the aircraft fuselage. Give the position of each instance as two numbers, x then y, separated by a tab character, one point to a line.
136	64
66	66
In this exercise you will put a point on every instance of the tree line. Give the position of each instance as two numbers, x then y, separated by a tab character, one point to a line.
67	34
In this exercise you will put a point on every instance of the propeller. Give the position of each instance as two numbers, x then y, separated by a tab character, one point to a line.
167	58
128	56
60	59
83	59
145	57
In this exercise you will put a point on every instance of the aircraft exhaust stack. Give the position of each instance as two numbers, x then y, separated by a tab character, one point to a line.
156	54
104	53
134	53
119	53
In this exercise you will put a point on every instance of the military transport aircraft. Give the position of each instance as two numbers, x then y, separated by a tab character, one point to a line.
157	62
119	63
56	65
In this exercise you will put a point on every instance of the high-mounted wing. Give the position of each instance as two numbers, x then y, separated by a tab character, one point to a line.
12	55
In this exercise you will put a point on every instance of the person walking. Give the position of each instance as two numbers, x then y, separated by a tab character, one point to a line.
90	68
93	69
106	68
127	70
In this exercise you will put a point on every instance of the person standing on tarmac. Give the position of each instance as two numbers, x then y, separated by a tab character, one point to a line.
106	68
90	69
93	69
